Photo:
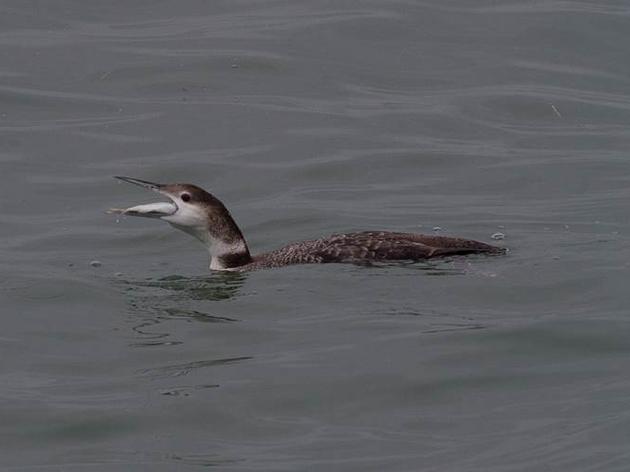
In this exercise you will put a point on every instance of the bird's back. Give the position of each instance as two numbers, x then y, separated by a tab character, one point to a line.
369	246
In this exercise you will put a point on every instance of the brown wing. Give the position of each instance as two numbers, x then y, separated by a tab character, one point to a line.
397	246
372	246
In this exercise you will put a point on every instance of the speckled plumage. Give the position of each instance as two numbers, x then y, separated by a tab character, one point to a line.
368	246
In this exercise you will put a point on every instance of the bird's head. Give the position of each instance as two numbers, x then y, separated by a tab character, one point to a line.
193	210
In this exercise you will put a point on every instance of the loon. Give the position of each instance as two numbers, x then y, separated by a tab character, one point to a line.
202	215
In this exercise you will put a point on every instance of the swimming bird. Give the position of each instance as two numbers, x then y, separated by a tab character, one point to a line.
202	215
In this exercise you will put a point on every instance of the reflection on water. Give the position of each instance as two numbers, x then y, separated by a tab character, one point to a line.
155	302
215	287
158	311
194	315
446	266
186	390
179	370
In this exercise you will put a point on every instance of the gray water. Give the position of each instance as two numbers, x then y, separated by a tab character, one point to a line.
307	118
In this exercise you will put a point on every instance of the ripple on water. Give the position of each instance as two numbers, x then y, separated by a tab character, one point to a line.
179	370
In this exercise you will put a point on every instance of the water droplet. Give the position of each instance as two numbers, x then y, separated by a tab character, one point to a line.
437	229
96	263
498	236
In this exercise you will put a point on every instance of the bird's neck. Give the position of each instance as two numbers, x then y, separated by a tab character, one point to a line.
228	254
222	237
226	243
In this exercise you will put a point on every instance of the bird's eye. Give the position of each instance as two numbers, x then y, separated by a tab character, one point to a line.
185	197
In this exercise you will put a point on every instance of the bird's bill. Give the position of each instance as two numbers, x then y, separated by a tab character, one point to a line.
149	210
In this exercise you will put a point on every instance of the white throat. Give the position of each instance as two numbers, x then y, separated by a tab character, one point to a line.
217	248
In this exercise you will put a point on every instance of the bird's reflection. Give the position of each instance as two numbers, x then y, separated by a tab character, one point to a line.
216	287
153	303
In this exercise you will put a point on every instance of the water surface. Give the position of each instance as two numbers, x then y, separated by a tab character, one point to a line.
308	118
